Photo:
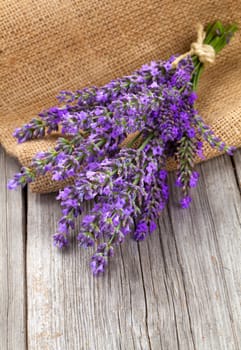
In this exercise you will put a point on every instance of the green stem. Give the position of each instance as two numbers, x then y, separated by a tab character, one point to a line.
218	36
113	236
143	145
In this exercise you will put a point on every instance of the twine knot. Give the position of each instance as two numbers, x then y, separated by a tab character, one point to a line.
204	52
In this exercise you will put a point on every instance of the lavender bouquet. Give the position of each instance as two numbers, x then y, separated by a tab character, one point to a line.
128	184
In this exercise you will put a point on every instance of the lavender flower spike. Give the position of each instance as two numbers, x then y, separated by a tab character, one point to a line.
129	186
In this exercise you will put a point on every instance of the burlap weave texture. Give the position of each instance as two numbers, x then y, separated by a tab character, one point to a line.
48	46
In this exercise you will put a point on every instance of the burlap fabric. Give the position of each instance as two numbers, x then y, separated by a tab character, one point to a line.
47	46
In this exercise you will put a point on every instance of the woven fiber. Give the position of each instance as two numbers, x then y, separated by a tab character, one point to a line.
48	46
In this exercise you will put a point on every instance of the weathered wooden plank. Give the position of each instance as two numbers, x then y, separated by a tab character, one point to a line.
227	226
68	307
170	292
208	241
12	261
196	289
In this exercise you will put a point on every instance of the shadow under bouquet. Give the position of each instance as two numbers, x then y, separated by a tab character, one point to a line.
126	176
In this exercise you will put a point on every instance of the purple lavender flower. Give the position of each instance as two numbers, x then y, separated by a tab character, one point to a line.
21	179
141	231
98	264
230	150
60	240
129	185
185	202
194	179
100	258
85	240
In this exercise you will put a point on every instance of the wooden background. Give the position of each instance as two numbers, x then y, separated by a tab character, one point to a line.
180	289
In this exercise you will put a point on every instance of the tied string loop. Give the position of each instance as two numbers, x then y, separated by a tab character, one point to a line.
204	52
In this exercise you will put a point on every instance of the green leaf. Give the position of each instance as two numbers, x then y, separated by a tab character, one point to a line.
208	28
212	32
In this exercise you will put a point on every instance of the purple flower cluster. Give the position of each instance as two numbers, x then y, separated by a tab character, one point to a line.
129	185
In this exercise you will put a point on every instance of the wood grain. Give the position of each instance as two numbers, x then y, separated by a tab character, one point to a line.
180	289
208	241
12	261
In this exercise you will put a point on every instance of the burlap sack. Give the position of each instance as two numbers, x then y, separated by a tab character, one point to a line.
47	46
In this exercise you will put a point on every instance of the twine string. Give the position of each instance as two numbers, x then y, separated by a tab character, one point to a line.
204	52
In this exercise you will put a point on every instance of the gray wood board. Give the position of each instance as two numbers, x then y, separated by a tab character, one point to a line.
179	289
12	260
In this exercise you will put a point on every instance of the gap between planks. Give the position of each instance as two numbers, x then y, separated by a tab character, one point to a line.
151	297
